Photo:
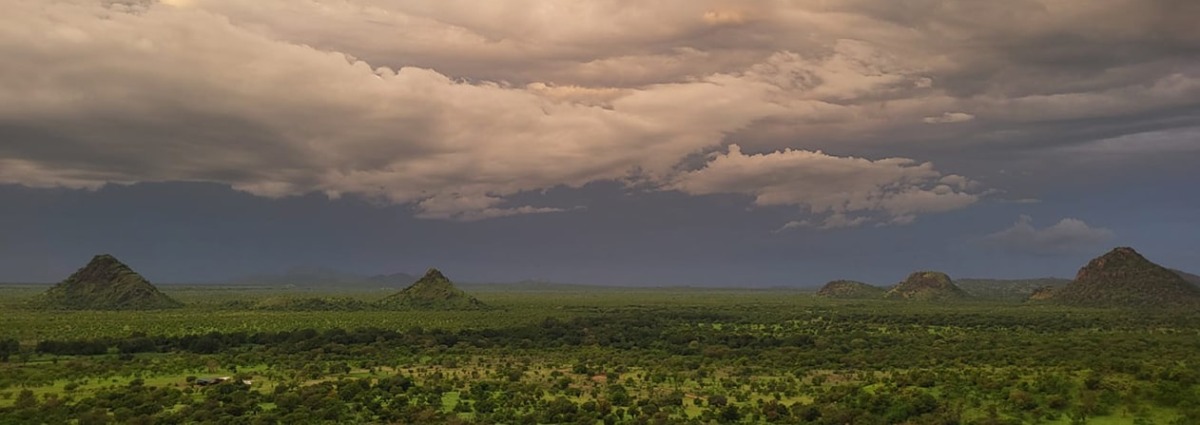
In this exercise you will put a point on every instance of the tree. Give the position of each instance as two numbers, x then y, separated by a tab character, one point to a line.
730	414
8	347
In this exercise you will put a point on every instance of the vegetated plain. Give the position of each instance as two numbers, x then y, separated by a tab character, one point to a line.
597	355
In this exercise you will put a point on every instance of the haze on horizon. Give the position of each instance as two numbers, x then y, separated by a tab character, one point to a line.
676	142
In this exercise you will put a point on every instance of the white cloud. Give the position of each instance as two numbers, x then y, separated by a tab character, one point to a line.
1066	236
470	208
949	118
844	191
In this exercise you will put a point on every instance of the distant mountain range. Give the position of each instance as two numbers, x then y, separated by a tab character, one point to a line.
1008	289
325	278
320	277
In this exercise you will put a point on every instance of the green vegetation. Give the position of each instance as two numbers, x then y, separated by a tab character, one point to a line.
1045	293
1122	277
286	303
927	286
1008	289
601	356
546	353
105	284
849	289
432	292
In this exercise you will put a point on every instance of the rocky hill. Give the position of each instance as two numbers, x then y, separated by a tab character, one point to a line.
926	286
105	283
1124	278
849	289
432	292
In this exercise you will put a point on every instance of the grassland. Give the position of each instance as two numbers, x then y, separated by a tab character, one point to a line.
588	355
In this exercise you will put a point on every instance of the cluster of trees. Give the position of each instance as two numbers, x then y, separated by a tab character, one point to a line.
861	341
8	347
398	399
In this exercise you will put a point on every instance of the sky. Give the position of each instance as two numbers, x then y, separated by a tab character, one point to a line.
675	142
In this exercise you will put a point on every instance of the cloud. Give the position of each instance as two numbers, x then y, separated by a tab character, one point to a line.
833	221
842	191
948	118
471	208
1067	236
453	107
185	95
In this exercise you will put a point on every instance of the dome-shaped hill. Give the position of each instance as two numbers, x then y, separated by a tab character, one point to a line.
927	286
849	289
105	283
432	292
1124	278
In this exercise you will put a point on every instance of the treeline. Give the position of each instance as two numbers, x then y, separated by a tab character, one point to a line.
859	341
636	331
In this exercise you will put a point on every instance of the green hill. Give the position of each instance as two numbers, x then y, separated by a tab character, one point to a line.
105	283
926	286
1124	278
432	292
850	289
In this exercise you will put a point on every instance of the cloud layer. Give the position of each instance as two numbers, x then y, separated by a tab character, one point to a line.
839	189
1067	236
453	107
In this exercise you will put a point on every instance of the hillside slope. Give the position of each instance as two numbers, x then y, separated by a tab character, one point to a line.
927	286
850	289
105	283
1124	278
432	292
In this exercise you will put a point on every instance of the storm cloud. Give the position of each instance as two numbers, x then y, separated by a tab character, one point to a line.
844	112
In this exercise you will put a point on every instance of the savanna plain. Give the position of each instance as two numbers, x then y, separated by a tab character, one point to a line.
596	355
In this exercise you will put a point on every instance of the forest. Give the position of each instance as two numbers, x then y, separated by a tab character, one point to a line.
593	356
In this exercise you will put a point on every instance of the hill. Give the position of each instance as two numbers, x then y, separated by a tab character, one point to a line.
927	286
849	289
1190	278
1008	289
105	283
1124	278
432	292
